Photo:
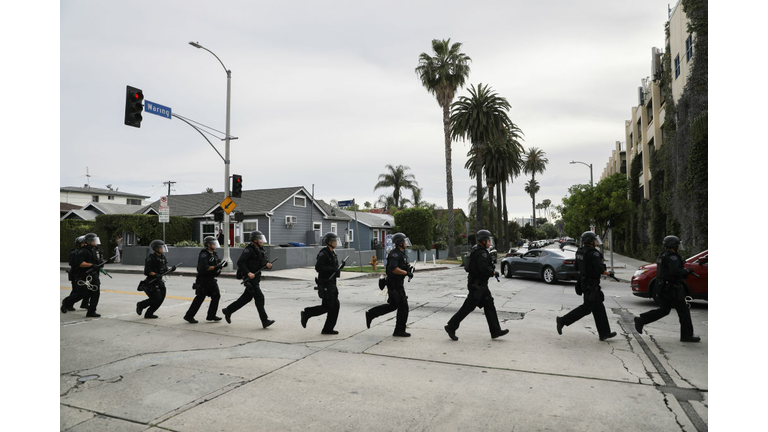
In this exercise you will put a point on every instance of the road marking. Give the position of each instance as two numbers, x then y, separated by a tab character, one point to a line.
142	294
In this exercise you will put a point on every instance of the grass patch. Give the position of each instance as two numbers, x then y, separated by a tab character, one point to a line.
366	269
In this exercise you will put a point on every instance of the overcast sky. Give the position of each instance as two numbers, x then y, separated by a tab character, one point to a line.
325	93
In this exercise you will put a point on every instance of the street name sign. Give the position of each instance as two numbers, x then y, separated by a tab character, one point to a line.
347	203
157	109
228	205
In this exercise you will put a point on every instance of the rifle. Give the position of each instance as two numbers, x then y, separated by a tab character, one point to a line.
98	268
341	266
148	282
693	273
613	276
246	278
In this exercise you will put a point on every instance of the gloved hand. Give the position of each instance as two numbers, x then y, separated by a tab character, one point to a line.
172	269
496	274
338	273
342	265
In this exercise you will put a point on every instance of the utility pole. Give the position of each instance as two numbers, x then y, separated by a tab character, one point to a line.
169	183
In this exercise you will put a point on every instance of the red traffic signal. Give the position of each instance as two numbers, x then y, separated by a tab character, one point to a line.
237	186
133	106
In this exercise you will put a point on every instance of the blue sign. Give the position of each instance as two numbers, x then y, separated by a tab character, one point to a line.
157	109
347	203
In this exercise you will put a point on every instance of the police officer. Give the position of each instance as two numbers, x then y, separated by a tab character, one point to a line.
591	265
397	269
155	266
670	272
250	264
480	268
208	268
89	262
328	269
73	270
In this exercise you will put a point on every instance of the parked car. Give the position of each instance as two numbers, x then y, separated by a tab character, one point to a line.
644	283
569	242
516	251
546	264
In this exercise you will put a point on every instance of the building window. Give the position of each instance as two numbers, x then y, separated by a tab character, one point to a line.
688	48
351	235
130	201
95	198
250	226
208	229
677	66
110	197
333	228
299	201
317	226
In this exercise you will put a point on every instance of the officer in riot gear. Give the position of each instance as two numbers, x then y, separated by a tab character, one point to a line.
73	270
591	265
209	266
397	269
480	268
155	265
328	269
89	261
670	272
252	261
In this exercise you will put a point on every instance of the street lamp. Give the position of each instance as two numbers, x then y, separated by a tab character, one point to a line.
226	152
590	170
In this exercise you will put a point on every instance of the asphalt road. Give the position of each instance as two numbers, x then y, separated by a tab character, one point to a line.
124	372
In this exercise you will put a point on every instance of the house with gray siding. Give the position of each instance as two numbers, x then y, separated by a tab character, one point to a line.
283	215
372	229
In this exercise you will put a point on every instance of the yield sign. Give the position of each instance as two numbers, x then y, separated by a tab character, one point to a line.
228	205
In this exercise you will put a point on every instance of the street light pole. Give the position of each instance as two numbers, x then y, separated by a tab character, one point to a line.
590	170
226	152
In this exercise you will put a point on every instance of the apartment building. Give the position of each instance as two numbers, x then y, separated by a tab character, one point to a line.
643	131
617	163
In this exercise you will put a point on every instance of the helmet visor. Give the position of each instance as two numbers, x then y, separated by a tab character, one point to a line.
96	241
163	248
408	242
215	244
262	237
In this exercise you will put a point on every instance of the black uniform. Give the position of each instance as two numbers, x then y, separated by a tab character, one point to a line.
670	272
252	260
590	264
480	267
397	299
206	285
154	286
327	268
87	278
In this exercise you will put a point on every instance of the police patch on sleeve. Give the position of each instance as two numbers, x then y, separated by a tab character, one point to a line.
395	255
673	258
595	254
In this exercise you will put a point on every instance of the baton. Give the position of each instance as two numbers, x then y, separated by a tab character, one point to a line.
246	279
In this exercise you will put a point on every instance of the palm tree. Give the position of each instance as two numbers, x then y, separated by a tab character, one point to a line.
531	187
417	201
546	203
534	162
442	75
480	118
515	166
386	202
398	178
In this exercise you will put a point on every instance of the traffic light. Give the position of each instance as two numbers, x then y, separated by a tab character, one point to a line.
218	215
133	106
239	216
237	186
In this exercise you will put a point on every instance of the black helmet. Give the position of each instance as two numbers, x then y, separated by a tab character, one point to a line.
483	235
590	237
401	239
80	240
255	235
155	244
330	238
88	238
671	242
210	240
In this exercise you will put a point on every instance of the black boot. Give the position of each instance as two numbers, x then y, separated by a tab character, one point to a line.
227	316
639	325
190	320
304	319
267	323
690	339
451	333
608	336
368	319
499	334
560	325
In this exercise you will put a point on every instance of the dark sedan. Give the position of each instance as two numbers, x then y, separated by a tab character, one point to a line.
546	264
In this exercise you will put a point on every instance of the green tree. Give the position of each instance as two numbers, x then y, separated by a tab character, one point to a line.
534	163
417	224
480	118
606	200
442	74
398	178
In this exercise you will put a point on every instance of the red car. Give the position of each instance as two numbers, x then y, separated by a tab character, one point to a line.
644	284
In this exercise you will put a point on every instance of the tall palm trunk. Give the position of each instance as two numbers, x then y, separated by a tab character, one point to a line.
506	216
500	233
479	179
449	179
490	205
533	199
